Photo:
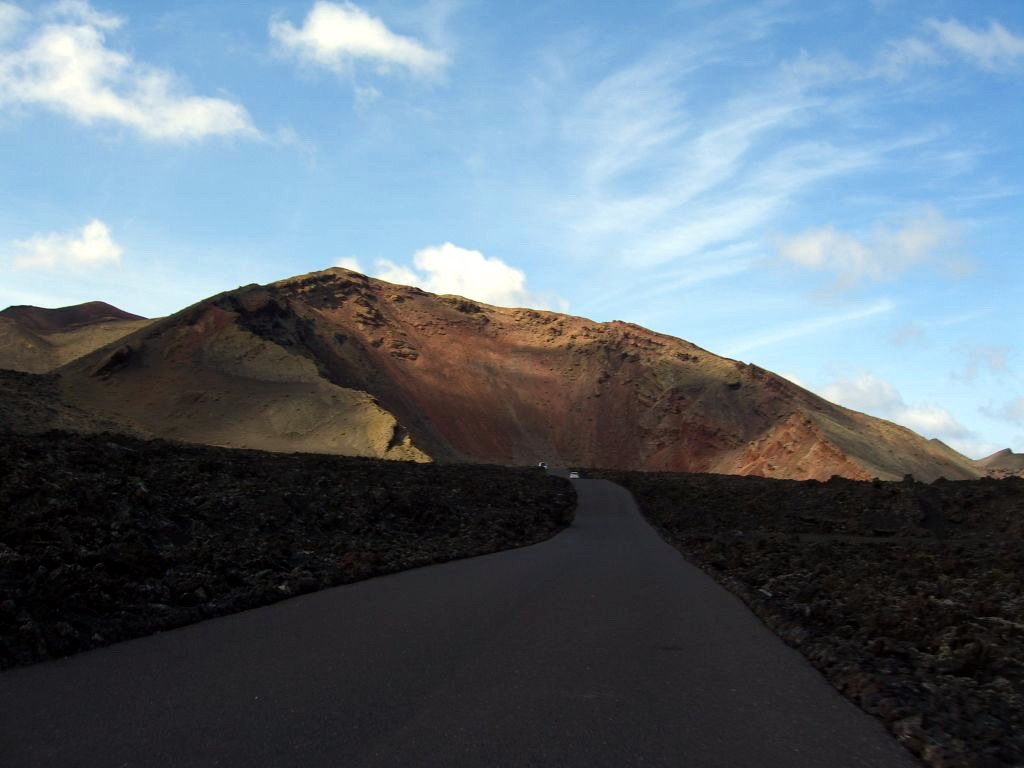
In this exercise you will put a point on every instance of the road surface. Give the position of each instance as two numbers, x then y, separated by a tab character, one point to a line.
599	647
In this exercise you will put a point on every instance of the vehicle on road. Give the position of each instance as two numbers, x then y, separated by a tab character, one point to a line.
574	475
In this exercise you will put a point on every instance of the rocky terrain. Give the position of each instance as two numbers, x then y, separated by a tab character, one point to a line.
38	340
32	404
1003	463
104	538
336	362
907	596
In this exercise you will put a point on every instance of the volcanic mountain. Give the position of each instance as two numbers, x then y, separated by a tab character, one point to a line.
37	340
337	362
1004	462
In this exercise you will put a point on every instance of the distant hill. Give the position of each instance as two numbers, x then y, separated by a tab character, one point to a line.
1004	462
337	362
38	340
41	320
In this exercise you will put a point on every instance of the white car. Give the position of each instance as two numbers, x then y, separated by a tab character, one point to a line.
574	475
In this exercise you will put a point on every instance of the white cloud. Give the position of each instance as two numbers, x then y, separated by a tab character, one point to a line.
702	188
79	11
980	358
866	392
973	448
661	169
994	49
89	247
660	175
450	269
335	35
349	262
795	379
11	18
886	255
67	66
1014	410
395	273
933	421
818	248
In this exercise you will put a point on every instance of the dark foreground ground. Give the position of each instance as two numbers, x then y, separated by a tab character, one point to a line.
600	647
105	538
908	597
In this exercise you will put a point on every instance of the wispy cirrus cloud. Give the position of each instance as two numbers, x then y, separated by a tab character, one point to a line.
68	66
939	43
898	58
917	332
715	264
809	327
663	171
994	49
663	181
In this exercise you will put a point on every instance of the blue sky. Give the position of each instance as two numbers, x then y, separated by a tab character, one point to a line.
830	190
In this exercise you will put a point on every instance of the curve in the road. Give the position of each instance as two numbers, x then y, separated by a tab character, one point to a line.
599	647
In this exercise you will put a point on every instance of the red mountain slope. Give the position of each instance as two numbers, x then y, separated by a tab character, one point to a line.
340	362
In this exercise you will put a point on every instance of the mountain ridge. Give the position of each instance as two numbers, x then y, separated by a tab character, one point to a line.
43	320
275	366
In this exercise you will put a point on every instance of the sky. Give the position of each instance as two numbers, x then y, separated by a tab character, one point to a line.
832	190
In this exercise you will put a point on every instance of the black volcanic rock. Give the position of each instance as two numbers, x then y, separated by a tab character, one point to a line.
906	596
105	538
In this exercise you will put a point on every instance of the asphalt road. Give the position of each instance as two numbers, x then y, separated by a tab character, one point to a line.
600	647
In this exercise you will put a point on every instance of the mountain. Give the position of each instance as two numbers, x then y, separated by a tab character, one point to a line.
45	321
337	362
37	340
1004	462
